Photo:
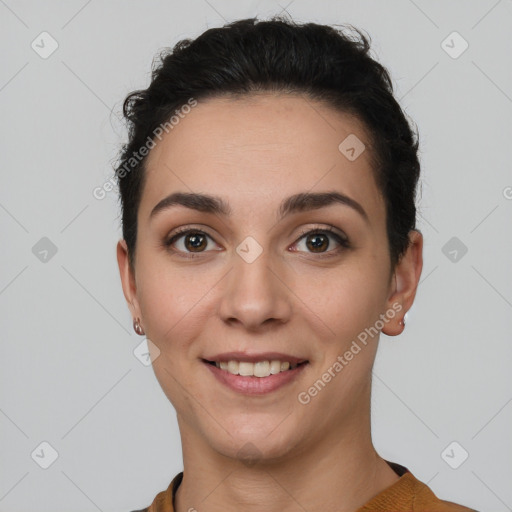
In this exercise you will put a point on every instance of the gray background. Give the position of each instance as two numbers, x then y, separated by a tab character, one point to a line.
69	376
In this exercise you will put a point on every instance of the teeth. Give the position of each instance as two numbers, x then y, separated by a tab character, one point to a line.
246	369
233	367
262	369
257	369
275	367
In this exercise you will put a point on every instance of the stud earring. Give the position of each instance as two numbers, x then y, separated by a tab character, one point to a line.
138	328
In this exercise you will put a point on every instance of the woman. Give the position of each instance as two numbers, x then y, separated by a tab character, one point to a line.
268	197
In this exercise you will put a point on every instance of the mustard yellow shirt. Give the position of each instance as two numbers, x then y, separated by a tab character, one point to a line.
406	495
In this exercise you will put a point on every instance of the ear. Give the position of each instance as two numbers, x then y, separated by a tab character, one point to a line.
128	279
404	283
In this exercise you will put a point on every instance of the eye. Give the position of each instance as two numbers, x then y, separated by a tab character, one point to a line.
318	240
190	241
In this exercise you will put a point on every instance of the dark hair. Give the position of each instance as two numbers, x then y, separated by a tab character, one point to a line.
248	56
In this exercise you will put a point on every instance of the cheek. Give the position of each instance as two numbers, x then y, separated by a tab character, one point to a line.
175	308
176	301
346	300
350	304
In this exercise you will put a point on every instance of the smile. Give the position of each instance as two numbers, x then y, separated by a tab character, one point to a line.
255	378
257	369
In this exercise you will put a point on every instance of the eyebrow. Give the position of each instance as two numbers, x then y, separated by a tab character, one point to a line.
304	201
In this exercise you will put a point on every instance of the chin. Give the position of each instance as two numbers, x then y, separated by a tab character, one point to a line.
252	446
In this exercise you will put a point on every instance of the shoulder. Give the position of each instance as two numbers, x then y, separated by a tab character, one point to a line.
164	500
425	500
408	494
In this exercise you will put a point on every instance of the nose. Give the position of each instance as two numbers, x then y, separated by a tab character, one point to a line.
256	295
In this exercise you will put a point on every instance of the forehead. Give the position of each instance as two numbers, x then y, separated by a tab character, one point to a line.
260	148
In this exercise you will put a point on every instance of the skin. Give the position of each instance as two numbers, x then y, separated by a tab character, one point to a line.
254	152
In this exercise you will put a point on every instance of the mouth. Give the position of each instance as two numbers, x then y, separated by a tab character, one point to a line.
259	369
254	375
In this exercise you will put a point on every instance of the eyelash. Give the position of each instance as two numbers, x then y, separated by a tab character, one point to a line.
344	243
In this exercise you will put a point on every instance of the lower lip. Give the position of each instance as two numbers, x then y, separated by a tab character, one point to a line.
255	385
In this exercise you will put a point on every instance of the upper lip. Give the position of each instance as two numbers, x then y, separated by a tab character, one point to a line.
252	358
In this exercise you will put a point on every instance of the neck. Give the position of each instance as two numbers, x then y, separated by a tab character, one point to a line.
339	473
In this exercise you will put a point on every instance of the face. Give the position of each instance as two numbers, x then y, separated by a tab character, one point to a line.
262	277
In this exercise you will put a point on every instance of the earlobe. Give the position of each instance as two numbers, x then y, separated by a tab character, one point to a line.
405	283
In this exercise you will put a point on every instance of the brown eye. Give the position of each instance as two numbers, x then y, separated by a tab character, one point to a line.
195	242
189	241
319	240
